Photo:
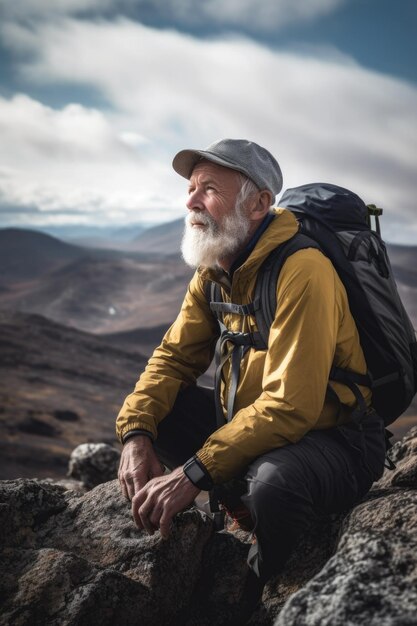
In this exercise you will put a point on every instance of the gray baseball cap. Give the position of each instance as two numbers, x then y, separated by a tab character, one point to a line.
237	154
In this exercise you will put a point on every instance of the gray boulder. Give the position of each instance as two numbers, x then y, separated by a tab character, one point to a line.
93	464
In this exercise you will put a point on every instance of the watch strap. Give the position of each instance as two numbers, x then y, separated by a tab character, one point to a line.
197	474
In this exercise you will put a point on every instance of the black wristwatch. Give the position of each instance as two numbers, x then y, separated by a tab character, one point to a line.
197	473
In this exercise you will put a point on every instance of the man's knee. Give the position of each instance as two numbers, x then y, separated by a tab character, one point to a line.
280	515
277	498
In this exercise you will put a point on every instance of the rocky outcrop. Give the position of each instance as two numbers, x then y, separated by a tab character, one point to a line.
372	577
71	558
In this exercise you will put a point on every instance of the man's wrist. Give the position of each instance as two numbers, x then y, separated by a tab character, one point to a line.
136	432
197	474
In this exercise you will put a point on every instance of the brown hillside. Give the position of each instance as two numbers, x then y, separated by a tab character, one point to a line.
59	387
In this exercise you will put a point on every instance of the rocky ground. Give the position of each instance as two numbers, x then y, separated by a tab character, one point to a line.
70	556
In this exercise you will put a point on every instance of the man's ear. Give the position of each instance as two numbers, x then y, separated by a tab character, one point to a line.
262	205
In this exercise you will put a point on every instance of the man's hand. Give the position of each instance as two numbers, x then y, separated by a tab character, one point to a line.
160	499
138	465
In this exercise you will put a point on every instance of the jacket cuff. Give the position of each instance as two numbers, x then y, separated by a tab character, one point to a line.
135	432
206	461
137	424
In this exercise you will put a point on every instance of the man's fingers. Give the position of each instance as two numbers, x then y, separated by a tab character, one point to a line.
122	483
137	502
123	488
137	518
155	516
165	524
134	487
160	499
129	488
144	514
150	518
132	484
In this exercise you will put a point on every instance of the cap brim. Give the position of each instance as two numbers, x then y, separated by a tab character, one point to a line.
185	161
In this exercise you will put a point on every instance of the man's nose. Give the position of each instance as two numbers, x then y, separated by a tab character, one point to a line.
194	202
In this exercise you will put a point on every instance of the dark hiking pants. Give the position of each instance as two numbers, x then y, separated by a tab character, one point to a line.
288	488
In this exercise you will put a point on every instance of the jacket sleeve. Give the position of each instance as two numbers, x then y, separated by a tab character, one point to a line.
184	354
301	348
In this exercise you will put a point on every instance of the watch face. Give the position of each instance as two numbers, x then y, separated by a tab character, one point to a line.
194	473
197	475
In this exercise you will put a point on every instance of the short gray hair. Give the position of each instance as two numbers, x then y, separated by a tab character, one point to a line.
247	189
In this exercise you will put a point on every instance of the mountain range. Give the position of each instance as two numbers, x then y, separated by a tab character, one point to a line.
91	289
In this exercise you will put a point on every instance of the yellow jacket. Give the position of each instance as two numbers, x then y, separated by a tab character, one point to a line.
282	391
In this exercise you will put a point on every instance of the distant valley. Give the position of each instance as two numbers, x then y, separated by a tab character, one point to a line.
100	291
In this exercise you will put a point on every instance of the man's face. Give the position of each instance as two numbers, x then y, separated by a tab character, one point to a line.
217	226
213	190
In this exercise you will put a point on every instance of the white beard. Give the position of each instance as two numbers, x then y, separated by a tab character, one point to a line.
207	246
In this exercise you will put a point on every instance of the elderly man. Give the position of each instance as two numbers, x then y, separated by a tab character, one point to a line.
279	443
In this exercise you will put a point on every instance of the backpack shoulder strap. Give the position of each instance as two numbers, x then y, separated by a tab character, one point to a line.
266	284
213	293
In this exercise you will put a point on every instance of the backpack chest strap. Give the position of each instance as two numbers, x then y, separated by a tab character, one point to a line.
238	309
251	340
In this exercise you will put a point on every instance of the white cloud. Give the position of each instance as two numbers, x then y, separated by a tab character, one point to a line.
75	133
71	164
324	118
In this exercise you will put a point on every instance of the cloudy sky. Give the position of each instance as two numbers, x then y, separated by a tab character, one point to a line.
96	97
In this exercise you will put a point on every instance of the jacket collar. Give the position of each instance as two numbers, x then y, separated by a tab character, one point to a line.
252	243
281	227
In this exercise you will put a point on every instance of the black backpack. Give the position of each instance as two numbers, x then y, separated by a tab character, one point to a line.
336	221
